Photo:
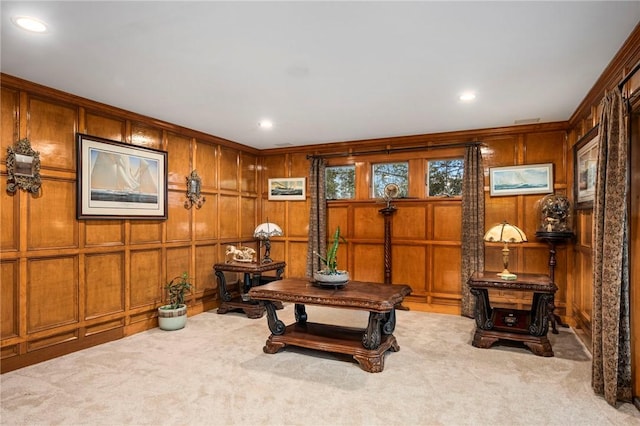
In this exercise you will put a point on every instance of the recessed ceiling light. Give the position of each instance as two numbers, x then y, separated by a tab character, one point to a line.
265	124
30	24
467	97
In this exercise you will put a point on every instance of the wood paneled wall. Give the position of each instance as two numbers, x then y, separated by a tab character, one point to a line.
426	231
585	118
68	284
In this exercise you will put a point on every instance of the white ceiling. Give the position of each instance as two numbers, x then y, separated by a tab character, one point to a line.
322	71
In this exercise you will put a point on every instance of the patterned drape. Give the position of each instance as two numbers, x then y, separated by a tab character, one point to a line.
317	216
611	369
472	223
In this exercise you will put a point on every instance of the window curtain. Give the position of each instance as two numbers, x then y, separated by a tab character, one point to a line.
472	223
317	216
611	368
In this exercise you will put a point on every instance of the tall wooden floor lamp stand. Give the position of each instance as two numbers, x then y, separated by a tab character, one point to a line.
553	238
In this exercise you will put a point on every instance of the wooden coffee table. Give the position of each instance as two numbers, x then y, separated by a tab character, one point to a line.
367	346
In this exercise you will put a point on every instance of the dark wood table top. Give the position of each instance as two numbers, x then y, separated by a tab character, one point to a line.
373	297
530	282
251	267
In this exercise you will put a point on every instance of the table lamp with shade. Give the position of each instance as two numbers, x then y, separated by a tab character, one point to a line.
264	232
505	233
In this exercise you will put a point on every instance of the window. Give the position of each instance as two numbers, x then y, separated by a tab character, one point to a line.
386	173
444	178
340	182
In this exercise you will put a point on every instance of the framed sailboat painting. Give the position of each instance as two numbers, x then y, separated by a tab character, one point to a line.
120	181
521	180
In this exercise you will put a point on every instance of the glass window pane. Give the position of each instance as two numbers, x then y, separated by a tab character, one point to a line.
386	173
445	178
340	182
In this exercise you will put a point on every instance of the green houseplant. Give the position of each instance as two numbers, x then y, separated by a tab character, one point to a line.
173	316
330	274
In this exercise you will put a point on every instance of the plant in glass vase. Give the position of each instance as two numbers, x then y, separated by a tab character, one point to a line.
330	275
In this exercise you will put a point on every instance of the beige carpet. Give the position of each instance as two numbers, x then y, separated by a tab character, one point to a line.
214	372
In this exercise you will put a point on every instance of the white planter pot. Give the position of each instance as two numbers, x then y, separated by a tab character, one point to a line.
331	280
172	319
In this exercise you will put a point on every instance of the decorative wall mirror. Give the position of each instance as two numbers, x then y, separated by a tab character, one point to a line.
194	183
23	168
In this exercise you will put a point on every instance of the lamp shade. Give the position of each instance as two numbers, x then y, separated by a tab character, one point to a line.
505	233
267	230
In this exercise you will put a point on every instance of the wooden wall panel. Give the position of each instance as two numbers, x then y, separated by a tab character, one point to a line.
446	221
249	173
409	266
146	231
409	223
248	216
9	217
275	212
366	263
543	148
104	126
367	222
298	218
204	222
204	276
52	133
104	281
229	212
9	313
104	232
52	292
9	129
146	277
146	135
179	157
53	216
178	262
446	270
298	269
274	167
229	164
206	160
178	223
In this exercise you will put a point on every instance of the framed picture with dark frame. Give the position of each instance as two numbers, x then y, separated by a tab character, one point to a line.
116	180
585	169
521	180
287	189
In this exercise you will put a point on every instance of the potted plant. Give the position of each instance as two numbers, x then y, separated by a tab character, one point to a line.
330	275
173	316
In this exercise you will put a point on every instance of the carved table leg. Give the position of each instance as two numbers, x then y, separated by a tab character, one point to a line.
482	309
389	322
540	313
301	314
371	337
222	284
276	326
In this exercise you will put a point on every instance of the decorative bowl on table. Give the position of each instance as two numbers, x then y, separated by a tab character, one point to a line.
334	280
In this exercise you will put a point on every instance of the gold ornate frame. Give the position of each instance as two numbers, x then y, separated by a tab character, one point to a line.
23	168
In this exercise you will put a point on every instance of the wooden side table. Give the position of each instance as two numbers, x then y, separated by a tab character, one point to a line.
527	326
252	277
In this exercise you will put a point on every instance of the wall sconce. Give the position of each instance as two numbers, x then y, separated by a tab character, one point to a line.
23	168
193	191
505	233
264	232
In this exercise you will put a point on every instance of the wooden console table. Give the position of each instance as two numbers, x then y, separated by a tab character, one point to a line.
252	277
527	326
367	346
